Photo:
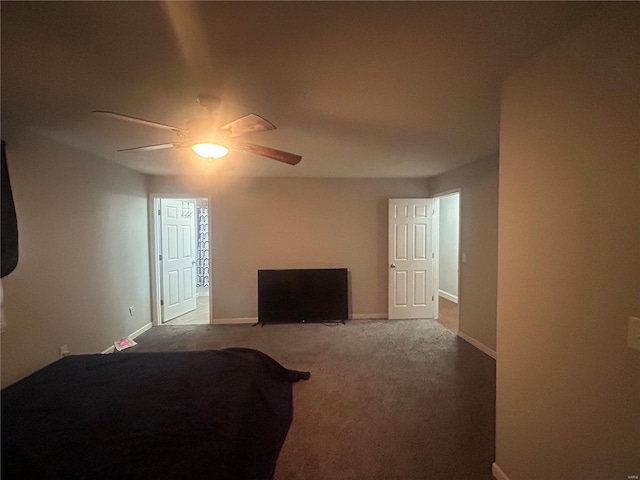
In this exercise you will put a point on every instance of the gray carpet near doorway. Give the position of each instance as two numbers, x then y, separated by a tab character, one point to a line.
402	399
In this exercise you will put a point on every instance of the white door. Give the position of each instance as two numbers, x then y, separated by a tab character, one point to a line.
178	218
411	258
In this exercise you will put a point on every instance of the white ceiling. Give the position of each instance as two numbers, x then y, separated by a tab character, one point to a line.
359	89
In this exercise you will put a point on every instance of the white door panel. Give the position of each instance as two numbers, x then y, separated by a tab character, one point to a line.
410	258
178	220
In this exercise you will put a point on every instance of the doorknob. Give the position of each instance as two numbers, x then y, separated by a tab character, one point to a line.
393	265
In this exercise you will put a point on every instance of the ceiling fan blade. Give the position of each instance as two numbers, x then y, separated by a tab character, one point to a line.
272	153
247	124
142	121
148	148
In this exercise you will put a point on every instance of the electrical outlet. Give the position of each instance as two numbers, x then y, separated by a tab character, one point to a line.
633	336
132	310
64	351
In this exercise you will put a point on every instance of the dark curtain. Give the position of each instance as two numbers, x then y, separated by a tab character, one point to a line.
203	247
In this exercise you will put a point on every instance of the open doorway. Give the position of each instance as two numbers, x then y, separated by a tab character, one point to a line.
448	208
181	260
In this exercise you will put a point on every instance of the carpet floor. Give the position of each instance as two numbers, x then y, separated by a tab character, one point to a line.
400	399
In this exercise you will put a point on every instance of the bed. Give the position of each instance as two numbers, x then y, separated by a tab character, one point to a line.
215	414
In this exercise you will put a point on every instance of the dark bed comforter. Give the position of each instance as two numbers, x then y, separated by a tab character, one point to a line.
216	414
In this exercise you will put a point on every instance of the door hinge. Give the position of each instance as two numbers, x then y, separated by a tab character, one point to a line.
433	255
161	303
159	257
432	299
159	212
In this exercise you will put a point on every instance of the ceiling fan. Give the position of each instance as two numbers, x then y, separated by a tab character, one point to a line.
209	140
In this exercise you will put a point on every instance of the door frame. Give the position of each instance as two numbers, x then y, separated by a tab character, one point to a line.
154	253
436	234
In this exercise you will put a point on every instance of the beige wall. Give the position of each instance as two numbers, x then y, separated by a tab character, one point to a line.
568	388
83	254
478	184
295	223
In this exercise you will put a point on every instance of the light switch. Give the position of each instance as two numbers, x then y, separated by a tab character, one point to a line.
464	257
633	339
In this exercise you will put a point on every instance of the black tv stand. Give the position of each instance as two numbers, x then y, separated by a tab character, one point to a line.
326	322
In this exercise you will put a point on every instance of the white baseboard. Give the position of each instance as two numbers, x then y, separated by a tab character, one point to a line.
480	346
497	472
141	330
234	321
368	316
448	296
133	335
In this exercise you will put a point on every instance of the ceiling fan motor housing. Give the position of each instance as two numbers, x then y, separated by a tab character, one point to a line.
201	130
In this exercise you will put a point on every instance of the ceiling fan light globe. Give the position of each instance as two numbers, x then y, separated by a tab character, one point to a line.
210	150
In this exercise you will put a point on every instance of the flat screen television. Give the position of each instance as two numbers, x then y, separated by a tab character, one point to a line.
303	295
